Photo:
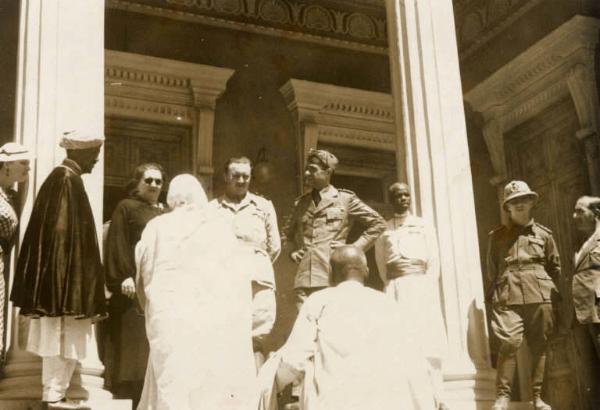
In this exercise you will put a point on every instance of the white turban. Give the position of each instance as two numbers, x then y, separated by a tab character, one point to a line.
80	140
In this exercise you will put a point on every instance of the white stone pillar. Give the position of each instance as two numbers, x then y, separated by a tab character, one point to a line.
60	87
432	135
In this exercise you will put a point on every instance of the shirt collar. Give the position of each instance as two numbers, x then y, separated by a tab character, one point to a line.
72	165
409	219
247	200
349	284
328	191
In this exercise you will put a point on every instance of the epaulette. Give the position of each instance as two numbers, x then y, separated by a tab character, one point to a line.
346	191
544	228
497	229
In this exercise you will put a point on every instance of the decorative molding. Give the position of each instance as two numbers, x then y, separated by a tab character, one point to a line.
294	20
332	104
169	92
341	116
478	22
156	86
538	77
148	110
356	138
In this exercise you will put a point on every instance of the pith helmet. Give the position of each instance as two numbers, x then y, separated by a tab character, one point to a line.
517	189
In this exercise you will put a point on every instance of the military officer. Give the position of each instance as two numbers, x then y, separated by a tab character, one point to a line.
585	285
321	220
254	222
523	266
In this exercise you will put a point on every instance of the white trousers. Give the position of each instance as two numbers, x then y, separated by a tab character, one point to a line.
61	342
56	376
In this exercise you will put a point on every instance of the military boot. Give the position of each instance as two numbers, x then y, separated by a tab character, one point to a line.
539	368
501	403
507	363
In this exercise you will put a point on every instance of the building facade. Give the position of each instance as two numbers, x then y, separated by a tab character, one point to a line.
454	97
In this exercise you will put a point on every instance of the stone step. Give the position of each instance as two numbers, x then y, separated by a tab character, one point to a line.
86	405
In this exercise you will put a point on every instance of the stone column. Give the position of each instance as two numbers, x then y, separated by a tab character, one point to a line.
581	81
432	141
206	90
60	87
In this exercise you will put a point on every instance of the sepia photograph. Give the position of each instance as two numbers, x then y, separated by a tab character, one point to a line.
300	204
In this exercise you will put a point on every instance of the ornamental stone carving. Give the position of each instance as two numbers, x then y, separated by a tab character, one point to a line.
359	26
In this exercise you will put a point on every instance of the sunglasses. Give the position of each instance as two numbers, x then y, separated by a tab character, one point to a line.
149	181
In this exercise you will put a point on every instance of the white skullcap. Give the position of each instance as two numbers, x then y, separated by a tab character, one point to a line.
79	140
13	151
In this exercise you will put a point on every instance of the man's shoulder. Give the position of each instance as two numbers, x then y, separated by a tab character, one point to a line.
498	230
302	199
544	230
260	201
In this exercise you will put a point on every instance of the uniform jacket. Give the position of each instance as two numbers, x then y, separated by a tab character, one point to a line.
316	228
523	265
586	282
254	223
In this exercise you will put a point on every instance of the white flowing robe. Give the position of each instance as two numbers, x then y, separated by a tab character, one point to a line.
197	302
349	343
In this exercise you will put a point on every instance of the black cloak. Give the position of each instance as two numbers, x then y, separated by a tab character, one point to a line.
59	271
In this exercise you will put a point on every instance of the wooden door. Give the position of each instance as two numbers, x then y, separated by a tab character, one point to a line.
130	143
545	153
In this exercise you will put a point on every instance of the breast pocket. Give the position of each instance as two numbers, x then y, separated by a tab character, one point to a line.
334	218
536	247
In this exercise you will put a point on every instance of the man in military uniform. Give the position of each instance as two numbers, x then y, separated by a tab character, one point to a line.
523	265
321	221
254	222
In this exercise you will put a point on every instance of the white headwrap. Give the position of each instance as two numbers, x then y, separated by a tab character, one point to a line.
12	151
186	190
80	140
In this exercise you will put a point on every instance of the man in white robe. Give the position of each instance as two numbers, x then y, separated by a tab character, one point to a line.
196	298
349	346
408	262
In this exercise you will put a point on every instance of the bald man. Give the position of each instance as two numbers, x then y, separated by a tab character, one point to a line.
349	345
407	258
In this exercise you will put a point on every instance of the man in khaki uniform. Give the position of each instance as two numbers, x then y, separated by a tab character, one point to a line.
254	222
523	265
321	221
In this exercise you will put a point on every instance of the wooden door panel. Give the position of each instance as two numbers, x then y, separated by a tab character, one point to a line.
132	142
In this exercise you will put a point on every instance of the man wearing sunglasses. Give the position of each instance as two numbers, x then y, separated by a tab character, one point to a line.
254	222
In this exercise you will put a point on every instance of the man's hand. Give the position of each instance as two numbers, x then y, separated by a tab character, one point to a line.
297	256
128	288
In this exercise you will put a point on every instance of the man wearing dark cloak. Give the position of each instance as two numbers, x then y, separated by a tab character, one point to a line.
59	281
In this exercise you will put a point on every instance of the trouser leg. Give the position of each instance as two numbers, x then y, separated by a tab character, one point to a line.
507	327
539	325
593	330
56	377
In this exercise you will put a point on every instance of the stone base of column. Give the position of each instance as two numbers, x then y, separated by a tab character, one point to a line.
84	405
470	389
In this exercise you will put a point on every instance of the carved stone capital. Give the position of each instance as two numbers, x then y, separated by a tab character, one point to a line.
494	139
544	74
582	87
